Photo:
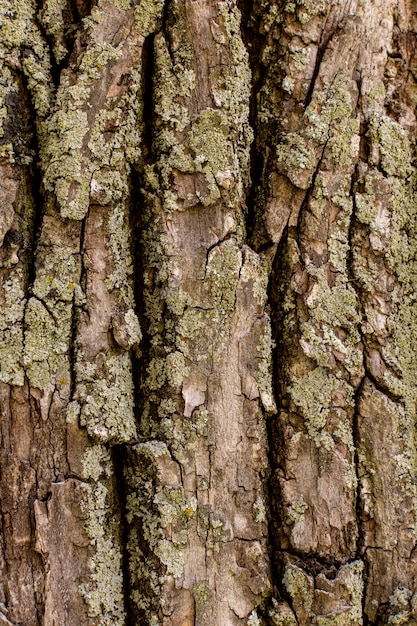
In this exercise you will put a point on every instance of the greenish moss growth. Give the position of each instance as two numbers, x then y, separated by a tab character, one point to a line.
202	598
103	593
296	511
394	146
46	343
299	587
105	393
264	374
222	274
313	394
11	329
158	515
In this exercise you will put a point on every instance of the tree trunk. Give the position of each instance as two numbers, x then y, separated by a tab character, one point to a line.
208	233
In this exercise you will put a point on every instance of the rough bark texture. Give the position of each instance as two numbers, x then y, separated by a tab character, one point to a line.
207	326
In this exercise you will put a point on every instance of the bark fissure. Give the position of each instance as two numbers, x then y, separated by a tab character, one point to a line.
207	179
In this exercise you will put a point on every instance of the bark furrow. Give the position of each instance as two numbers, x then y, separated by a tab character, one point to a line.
207	312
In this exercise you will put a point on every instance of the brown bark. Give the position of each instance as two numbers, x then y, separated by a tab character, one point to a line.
207	379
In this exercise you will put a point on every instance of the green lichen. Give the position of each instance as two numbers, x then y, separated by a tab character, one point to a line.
313	394
176	368
296	510
49	312
18	30
233	91
202	598
171	556
147	15
222	274
331	121
402	606
105	393
103	593
62	160
120	239
51	17
158	515
332	309
387	209
264	374
300	56
351	577
46	343
299	587
254	619
281	614
301	590
18	27
366	204
73	412
96	462
259	511
82	160
11	329
216	143
394	145
297	156
172	369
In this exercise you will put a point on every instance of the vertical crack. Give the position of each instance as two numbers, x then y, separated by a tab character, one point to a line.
138	218
276	289
124	458
260	241
118	454
19	129
361	547
253	43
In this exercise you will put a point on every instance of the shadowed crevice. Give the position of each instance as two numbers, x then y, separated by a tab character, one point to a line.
19	128
119	459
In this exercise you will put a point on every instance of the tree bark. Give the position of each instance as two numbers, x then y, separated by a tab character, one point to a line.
208	336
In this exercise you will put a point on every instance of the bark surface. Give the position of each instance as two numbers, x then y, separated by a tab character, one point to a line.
208	313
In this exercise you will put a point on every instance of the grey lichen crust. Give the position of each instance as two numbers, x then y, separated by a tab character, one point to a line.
82	160
198	278
305	592
11	330
87	146
104	591
105	391
17	29
158	514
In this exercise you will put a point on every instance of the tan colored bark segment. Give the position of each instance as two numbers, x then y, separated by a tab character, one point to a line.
207	369
349	147
339	184
77	578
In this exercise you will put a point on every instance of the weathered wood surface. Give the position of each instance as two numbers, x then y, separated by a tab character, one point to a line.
207	321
